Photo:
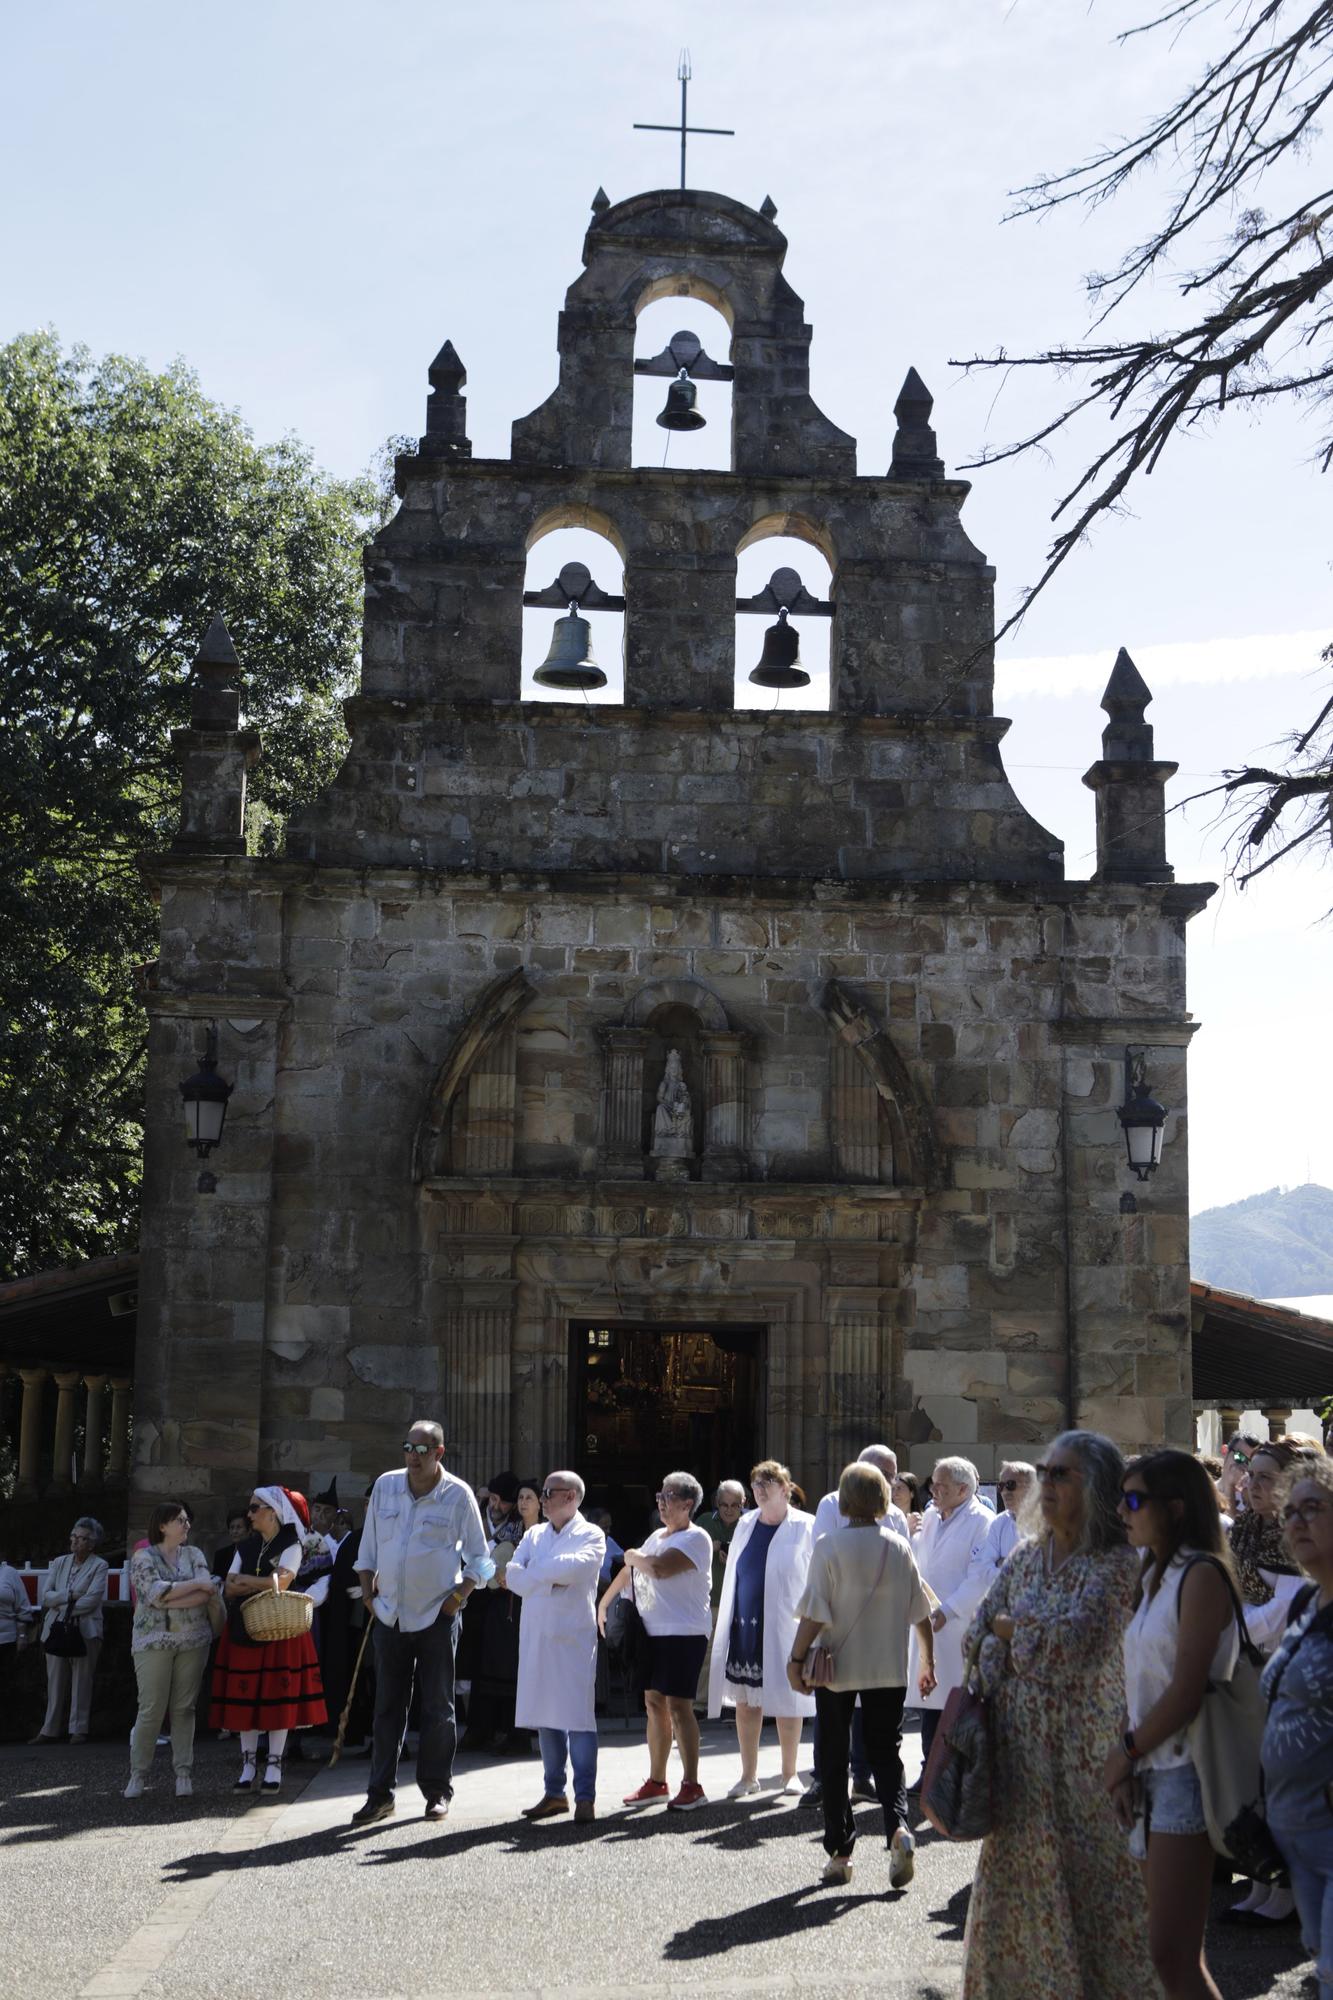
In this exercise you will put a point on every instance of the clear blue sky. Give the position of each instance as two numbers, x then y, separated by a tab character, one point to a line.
304	200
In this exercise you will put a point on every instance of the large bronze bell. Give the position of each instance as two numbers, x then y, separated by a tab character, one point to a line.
779	663
680	413
569	663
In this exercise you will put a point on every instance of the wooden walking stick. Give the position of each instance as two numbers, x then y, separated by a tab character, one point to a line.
351	1693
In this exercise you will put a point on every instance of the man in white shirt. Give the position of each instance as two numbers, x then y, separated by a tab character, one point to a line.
423	1552
1016	1481
952	1534
828	1517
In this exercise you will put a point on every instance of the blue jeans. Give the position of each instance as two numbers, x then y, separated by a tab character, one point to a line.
581	1747
1310	1859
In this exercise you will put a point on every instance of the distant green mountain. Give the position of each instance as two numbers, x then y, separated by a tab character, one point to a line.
1277	1245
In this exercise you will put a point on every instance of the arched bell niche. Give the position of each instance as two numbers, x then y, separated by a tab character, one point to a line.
783	546
578	548
675	331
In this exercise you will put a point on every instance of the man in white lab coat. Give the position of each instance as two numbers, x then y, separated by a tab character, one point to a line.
948	1549
556	1569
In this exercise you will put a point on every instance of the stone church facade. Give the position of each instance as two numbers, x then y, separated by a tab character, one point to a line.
448	1007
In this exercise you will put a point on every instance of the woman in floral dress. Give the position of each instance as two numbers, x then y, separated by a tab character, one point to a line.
1058	1910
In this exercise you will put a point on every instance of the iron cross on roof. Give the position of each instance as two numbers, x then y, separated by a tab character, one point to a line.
684	128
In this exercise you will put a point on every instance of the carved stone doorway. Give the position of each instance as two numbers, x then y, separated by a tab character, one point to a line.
649	1400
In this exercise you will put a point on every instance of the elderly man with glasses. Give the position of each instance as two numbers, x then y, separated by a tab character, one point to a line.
423	1552
555	1570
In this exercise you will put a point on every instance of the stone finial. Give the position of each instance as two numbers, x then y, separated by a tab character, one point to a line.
446	408
768	208
1130	785
601	201
215	681
214	753
1127	738
914	452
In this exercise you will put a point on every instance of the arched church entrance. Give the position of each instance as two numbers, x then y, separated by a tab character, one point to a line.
649	1399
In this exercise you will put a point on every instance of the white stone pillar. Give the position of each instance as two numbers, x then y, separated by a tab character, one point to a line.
725	1134
30	1429
92	1430
62	1463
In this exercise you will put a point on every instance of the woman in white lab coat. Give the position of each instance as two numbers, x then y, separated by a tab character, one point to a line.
555	1570
948	1554
756	1625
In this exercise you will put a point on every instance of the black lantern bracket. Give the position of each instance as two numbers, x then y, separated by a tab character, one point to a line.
784	591
1142	1118
574	587
204	1098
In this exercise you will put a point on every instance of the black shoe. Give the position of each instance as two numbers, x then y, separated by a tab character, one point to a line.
372	1810
812	1796
436	1809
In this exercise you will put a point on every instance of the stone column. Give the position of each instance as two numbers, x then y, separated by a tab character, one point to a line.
118	1458
622	1107
857	1379
1230	1422
92	1431
725	1135
62	1462
30	1429
1277	1420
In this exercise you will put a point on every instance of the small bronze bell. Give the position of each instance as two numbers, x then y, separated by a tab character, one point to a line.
779	663
569	663
680	413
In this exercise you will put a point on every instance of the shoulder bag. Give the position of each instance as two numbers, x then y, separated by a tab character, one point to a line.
957	1785
1225	1744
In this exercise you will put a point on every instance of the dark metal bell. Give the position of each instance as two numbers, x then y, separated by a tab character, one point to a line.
569	662
680	413
779	663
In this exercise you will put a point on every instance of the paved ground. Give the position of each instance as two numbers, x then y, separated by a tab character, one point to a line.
228	1898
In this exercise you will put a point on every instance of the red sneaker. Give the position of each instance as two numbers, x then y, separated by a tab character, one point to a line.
649	1792
687	1798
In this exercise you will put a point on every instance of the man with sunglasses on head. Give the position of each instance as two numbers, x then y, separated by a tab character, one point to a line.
423	1552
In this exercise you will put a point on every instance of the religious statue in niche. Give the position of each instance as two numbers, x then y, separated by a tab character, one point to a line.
673	1124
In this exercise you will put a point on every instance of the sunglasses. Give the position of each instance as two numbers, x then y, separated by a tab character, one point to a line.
1054	1474
1131	1497
1011	1485
417	1450
1240	1458
670	1496
1308	1511
557	1493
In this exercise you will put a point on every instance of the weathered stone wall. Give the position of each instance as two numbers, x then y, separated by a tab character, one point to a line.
322	1294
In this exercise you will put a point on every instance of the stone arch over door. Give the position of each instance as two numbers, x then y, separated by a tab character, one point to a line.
675	1013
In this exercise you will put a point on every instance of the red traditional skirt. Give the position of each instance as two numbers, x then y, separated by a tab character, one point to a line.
273	1686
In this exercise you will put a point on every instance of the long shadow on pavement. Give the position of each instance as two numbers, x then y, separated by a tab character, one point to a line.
785	1916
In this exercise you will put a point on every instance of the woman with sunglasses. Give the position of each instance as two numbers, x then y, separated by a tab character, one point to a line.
268	1685
1298	1740
1057	1905
1236	1456
169	1645
1182	1636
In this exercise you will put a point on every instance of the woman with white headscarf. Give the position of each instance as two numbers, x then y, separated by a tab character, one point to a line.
271	1685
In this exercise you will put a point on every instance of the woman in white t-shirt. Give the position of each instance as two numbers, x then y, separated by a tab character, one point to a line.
670	1578
1183	1635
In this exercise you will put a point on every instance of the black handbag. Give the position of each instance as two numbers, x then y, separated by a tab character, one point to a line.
627	1636
65	1641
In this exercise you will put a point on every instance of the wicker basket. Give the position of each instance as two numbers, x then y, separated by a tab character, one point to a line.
275	1614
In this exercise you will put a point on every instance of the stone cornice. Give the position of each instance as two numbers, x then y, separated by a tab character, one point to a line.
1163	1031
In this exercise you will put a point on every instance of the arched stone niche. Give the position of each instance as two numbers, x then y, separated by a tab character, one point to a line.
881	1127
468	1123
680	1014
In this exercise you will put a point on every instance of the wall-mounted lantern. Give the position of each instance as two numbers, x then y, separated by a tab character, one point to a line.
204	1096
1142	1118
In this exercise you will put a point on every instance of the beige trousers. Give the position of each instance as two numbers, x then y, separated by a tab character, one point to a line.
72	1681
167	1680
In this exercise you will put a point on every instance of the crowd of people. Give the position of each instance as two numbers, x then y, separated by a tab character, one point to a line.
1105	1609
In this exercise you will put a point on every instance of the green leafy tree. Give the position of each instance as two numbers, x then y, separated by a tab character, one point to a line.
131	509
